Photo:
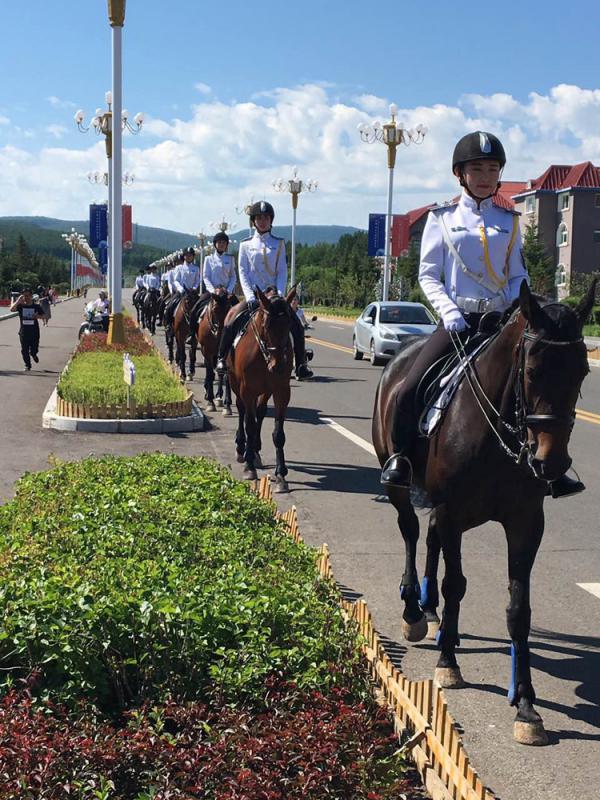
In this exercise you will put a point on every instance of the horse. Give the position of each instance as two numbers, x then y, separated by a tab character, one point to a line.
208	334
503	438
138	299
164	295
181	332
150	310
259	367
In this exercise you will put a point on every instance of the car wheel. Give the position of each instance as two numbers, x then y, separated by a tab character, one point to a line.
375	360
356	353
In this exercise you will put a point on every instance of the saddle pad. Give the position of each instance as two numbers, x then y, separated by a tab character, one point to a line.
434	410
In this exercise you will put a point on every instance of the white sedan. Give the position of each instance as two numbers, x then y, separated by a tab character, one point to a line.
381	327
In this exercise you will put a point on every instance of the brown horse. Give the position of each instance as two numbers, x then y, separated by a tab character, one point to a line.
503	438
208	334
261	367
181	332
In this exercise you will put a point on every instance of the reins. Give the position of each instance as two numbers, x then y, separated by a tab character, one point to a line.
522	418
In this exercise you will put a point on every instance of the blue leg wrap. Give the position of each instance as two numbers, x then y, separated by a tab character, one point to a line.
512	690
403	590
426	585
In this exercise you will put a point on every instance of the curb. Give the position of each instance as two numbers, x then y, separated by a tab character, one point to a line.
12	314
195	421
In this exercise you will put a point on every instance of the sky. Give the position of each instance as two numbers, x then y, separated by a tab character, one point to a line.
236	95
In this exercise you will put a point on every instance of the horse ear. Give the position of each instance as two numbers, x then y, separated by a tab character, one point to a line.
584	308
264	300
291	294
530	308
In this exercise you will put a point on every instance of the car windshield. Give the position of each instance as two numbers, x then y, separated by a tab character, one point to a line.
404	315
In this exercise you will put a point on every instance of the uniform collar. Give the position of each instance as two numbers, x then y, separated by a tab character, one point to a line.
261	236
470	202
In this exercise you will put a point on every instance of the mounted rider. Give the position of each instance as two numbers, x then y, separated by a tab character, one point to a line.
476	245
218	273
184	278
139	284
262	264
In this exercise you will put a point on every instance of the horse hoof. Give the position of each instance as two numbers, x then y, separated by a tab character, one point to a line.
227	411
433	628
210	407
250	474
532	733
281	486
219	402
189	378
414	631
449	678
240	458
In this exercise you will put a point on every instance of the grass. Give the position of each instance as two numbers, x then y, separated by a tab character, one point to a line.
333	311
97	378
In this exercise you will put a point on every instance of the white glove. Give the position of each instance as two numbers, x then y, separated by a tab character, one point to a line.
454	321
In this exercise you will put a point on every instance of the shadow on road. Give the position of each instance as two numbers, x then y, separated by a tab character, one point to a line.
352	478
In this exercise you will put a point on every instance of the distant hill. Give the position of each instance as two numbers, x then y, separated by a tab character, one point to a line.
160	238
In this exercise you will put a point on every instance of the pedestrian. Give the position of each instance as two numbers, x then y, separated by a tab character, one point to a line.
29	328
44	301
471	263
262	264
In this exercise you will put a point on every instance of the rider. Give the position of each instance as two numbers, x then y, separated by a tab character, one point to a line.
262	263
139	284
476	245
218	272
185	277
151	279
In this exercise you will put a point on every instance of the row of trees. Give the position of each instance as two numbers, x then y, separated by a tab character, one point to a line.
24	267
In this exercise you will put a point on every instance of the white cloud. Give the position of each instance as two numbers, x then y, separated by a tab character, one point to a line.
190	170
203	88
4	120
56	102
58	131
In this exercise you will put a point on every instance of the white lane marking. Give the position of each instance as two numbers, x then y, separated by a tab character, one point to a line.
338	327
349	435
592	588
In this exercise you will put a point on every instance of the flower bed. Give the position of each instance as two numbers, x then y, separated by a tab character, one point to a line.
92	386
164	637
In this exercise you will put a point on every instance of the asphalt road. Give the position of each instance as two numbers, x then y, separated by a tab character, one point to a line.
334	481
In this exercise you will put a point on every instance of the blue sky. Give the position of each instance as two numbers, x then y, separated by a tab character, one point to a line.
190	64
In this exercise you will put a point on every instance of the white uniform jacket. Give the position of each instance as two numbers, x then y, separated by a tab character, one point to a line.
262	263
219	270
151	281
478	253
187	276
139	282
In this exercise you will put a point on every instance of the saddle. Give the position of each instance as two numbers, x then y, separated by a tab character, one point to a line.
439	384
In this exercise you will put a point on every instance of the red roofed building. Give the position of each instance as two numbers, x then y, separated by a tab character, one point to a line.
565	203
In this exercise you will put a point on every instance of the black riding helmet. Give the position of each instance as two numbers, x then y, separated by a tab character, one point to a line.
189	251
221	236
478	146
261	207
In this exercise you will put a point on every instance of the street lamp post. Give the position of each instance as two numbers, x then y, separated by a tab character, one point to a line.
78	244
392	134
294	186
246	210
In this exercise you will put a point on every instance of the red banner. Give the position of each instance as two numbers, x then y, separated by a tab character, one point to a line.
127	226
400	234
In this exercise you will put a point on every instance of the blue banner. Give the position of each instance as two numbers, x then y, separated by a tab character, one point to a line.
98	224
376	234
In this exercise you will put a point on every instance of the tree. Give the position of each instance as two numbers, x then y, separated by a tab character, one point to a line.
539	264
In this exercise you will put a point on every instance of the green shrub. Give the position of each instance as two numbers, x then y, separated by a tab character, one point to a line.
98	378
133	579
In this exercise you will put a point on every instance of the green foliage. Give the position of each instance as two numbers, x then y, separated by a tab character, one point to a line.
98	378
21	265
130	579
539	264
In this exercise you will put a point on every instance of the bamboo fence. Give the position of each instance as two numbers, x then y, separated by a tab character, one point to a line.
180	408
419	708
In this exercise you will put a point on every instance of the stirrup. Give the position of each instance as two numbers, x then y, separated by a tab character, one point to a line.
397	471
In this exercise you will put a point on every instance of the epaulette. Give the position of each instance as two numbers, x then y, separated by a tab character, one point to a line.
279	238
247	239
444	206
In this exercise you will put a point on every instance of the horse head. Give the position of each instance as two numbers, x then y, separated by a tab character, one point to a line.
219	306
552	363
276	321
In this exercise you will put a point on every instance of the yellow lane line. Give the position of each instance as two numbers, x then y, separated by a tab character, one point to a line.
588	416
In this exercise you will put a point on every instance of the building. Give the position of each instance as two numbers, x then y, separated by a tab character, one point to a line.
565	203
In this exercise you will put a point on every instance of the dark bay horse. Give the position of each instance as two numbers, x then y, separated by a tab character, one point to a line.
504	437
260	367
150	309
209	332
181	333
137	300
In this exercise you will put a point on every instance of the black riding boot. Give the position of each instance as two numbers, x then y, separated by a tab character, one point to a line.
225	343
397	470
564	486
302	370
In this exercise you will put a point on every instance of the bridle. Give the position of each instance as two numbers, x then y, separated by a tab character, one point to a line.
261	336
523	418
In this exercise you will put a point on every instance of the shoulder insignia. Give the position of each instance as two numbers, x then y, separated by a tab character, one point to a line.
447	206
278	238
247	239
